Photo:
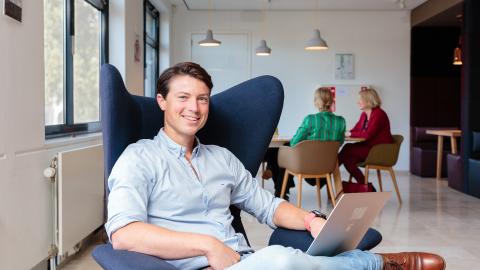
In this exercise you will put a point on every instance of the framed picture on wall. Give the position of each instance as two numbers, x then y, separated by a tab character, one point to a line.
13	9
344	66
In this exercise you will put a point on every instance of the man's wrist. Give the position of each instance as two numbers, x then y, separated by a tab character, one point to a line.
311	216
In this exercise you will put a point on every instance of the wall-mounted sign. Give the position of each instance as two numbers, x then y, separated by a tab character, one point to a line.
13	9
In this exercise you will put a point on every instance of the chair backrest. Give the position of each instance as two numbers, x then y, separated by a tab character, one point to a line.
385	154
309	157
241	119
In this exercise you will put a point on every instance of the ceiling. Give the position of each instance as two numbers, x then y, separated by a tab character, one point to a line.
446	18
289	5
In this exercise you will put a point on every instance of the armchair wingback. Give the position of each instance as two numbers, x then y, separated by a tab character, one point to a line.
242	119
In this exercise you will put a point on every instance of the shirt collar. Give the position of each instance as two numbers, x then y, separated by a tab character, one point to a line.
175	148
326	112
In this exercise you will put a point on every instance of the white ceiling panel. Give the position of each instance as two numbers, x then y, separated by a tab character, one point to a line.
299	4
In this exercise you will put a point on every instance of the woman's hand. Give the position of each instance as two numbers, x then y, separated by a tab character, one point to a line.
348	134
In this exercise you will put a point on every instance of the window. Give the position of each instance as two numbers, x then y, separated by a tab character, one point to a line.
75	42
151	47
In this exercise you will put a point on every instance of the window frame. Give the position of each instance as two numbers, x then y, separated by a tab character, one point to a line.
69	128
153	11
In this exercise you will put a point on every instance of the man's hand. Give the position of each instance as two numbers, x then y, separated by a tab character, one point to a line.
316	226
220	256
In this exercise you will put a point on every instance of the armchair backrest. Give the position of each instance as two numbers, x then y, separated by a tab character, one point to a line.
241	119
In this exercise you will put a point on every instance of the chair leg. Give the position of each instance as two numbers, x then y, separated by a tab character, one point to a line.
284	184
319	198
366	174
394	180
330	190
299	195
379	176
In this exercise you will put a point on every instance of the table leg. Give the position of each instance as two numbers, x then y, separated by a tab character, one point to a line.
453	143
439	157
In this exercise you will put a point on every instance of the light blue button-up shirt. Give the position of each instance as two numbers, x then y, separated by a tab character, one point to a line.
153	182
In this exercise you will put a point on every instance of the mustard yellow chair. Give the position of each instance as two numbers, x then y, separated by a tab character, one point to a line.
383	157
309	159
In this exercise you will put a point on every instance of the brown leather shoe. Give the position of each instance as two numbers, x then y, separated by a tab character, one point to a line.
267	174
412	261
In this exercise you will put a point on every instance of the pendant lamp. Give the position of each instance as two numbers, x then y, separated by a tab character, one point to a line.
316	42
263	49
209	41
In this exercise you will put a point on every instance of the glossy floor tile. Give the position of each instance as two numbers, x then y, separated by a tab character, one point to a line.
432	218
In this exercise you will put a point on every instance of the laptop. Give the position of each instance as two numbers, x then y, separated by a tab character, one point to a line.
348	223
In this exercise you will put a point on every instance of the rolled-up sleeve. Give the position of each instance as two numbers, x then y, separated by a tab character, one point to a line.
249	196
129	184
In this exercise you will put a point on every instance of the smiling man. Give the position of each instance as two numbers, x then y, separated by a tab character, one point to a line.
170	197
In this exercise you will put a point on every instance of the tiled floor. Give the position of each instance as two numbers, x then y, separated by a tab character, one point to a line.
433	218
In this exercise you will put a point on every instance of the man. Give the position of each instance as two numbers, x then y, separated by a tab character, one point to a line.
170	196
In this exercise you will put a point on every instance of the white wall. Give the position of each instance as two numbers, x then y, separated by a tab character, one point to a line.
380	42
25	195
126	24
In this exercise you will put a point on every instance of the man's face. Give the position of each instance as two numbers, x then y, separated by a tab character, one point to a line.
186	107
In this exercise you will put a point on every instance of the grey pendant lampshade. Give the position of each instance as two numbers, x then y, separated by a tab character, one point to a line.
263	49
209	41
317	42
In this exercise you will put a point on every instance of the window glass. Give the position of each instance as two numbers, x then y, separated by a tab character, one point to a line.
86	63
53	11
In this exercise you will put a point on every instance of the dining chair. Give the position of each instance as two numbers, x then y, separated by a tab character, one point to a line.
382	157
309	159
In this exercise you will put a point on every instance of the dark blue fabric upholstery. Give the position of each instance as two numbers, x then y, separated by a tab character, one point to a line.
476	141
242	119
302	239
112	259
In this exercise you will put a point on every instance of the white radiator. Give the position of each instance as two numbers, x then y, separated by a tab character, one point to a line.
78	190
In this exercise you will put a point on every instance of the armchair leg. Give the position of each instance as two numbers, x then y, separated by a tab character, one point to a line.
394	180
299	195
330	190
284	183
319	196
379	176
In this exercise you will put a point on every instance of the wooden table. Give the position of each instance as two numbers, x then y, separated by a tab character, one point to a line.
278	141
352	139
452	133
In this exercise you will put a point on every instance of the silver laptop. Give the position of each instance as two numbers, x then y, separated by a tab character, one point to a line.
348	223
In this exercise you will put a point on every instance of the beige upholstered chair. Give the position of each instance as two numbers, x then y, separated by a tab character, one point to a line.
309	159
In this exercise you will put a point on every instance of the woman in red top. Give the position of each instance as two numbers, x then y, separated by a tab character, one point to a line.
373	126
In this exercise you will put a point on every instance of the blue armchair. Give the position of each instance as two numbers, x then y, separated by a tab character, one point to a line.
242	119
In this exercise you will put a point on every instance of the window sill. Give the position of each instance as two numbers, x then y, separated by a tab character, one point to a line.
72	139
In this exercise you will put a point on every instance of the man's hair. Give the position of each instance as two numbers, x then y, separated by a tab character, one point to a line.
324	95
182	69
371	98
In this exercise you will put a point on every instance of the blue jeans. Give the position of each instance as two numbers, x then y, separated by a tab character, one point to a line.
286	258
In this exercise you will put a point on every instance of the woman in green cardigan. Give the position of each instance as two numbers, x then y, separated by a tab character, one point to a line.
323	126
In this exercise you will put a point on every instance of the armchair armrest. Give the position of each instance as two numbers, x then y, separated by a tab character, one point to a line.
111	259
